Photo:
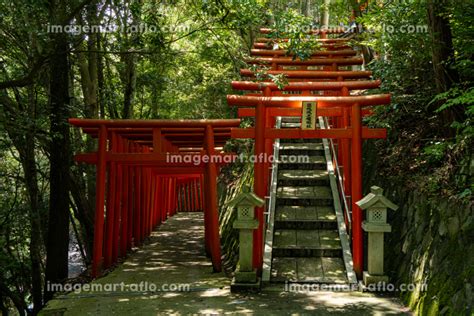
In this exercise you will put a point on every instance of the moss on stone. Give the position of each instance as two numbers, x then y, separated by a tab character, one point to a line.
421	251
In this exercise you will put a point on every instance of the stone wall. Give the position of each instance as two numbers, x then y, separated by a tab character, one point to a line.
431	243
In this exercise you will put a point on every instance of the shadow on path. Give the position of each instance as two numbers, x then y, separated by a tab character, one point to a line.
171	275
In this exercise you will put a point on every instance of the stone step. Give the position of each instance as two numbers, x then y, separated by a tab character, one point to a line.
303	202
290	125
305	224
297	177
301	213
301	146
301	149
301	140
304	196
306	252
313	270
306	243
311	163
305	217
290	119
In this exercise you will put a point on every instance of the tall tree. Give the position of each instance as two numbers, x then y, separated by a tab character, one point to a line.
325	15
22	131
445	73
24	141
58	226
442	48
88	62
131	39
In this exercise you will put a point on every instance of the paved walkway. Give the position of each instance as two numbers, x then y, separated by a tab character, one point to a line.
171	275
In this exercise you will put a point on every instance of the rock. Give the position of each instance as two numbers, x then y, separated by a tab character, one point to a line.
406	243
471	167
457	300
420	232
469	294
420	214
427	239
442	229
434	258
444	207
453	226
467	224
404	229
444	310
402	271
410	211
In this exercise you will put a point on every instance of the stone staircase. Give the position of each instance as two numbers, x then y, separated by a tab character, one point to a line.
306	245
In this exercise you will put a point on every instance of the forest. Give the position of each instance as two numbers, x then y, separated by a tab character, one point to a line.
175	59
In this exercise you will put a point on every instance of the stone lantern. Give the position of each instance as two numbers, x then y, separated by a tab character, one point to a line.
245	275
375	205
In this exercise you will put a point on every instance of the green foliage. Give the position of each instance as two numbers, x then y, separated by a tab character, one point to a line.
430	136
435	151
245	14
261	74
461	14
462	99
294	26
280	80
14	226
340	12
403	57
455	97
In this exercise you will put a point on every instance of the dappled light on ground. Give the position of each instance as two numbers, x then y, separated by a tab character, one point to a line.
175	255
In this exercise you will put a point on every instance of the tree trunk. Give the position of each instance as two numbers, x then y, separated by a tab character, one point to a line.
25	145
130	84
443	57
100	79
130	59
58	222
88	65
357	12
155	97
31	181
325	17
443	51
17	301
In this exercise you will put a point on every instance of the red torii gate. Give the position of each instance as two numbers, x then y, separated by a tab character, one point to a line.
355	133
321	32
266	101
140	185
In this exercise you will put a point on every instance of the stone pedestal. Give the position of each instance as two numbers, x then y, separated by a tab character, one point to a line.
246	278
376	225
245	281
373	279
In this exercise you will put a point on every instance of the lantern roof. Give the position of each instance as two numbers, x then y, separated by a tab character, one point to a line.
376	199
246	198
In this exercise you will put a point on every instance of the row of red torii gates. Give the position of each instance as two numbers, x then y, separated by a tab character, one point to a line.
139	185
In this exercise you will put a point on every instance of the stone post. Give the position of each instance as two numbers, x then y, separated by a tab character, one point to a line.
375	205
245	276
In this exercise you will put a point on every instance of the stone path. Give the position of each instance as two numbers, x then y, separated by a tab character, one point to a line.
174	259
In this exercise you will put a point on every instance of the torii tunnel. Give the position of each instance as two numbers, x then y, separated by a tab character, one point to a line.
143	178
